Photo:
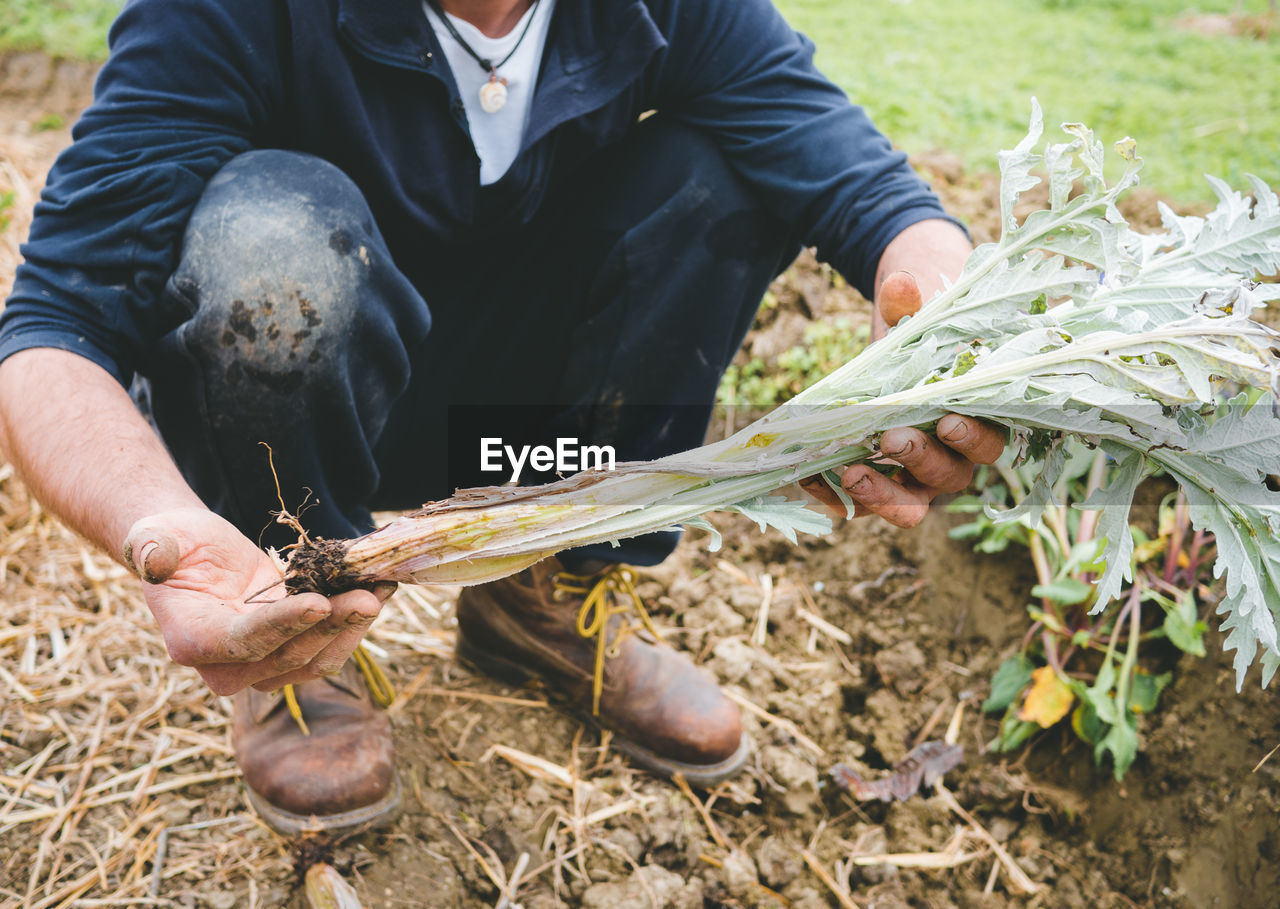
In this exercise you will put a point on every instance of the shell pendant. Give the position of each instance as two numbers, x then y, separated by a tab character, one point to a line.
493	94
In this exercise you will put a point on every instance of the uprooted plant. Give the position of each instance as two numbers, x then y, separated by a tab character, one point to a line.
1071	325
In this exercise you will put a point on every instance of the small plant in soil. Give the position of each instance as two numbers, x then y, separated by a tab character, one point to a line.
1095	673
826	346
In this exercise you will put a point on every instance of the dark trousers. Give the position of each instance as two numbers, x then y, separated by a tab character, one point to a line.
611	317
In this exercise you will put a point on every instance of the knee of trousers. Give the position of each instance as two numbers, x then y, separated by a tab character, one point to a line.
284	271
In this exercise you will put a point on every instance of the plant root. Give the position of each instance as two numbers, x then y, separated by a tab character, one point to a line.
320	566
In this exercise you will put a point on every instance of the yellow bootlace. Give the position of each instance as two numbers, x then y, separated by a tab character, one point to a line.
601	602
380	687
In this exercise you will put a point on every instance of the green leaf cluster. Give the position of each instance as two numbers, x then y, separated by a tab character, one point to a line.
759	383
1069	557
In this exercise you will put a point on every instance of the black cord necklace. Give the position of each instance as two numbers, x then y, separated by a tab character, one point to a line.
493	94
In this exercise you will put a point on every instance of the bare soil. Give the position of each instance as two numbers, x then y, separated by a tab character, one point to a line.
920	625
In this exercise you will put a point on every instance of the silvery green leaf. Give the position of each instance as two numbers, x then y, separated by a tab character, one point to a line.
1029	343
1097	242
1113	414
1247	555
917	363
1270	663
1004	289
1089	154
1113	502
1127	149
1054	412
1059	162
1267	293
1183	229
832	480
1158	302
716	541
1244	437
1266	204
1238	237
1015	168
787	516
1040	495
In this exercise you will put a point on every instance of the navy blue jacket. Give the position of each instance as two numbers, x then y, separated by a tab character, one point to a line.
363	84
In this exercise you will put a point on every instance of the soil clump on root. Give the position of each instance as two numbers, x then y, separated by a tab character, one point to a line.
319	566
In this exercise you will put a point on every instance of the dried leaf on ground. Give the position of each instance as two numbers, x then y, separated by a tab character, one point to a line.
923	766
1048	700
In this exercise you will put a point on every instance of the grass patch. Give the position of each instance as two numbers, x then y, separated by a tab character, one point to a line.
63	28
959	75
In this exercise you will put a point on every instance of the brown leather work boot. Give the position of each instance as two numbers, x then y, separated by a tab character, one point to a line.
340	775
528	625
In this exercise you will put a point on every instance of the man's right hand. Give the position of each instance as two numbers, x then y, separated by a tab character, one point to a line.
218	599
222	607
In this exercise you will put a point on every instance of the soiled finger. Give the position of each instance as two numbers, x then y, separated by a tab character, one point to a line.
265	628
899	297
293	662
903	503
151	552
979	441
932	464
816	488
328	645
299	651
317	651
297	677
227	678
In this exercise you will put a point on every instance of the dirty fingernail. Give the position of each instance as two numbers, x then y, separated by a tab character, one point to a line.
957	432
860	488
150	573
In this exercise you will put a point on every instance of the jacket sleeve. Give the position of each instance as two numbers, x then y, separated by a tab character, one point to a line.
188	85
737	70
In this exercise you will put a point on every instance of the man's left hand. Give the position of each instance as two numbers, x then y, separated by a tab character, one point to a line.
931	465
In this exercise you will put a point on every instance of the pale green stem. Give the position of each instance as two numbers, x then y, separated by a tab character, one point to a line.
1130	654
1089	519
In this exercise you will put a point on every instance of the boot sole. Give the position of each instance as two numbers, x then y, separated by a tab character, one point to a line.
381	813
700	775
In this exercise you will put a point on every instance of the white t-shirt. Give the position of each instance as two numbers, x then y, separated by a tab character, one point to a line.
496	135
